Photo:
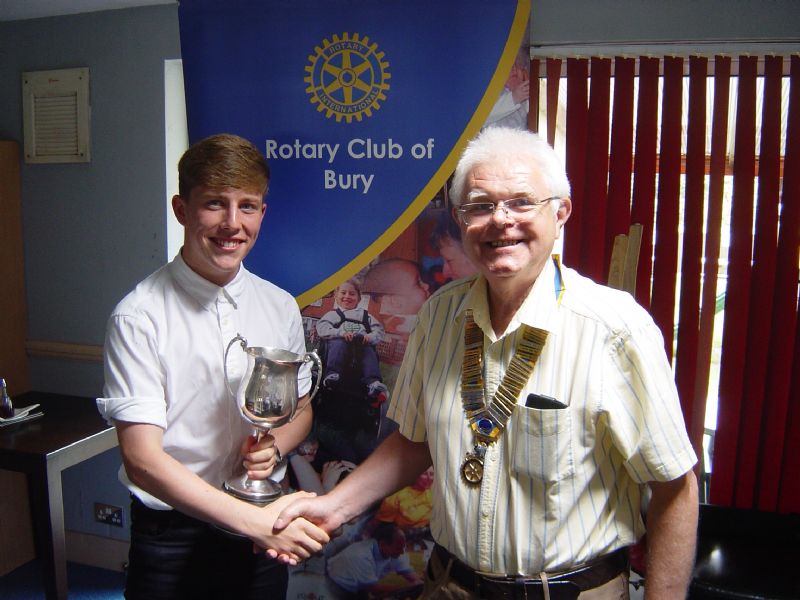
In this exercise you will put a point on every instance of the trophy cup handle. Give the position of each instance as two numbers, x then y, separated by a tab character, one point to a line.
313	357
243	343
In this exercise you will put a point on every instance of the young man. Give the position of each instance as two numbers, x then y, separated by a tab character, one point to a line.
545	403
180	431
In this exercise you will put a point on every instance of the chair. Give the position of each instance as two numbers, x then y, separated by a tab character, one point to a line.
746	554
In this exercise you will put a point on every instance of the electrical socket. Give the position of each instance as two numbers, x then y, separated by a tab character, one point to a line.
110	515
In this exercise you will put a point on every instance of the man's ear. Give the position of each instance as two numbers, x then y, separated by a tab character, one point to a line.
454	214
564	211
179	208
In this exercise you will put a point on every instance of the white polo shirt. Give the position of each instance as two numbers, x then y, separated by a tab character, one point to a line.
164	352
561	486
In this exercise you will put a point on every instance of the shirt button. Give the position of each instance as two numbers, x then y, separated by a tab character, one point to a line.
485	513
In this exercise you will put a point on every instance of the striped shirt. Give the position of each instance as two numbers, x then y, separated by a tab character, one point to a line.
561	486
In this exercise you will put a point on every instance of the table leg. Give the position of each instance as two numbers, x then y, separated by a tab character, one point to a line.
47	504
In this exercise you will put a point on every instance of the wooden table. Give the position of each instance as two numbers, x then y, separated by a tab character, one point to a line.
70	432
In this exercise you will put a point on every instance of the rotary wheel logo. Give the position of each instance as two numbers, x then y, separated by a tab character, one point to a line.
347	77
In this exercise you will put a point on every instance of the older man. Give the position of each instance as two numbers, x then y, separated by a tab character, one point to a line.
545	403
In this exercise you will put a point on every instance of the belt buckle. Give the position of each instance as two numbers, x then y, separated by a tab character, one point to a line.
525	589
495	588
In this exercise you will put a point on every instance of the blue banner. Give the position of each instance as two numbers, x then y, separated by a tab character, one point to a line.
361	107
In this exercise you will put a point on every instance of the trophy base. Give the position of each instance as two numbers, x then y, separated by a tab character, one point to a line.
254	491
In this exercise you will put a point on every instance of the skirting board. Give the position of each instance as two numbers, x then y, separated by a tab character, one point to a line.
96	551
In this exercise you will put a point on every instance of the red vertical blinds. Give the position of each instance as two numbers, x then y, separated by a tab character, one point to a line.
644	175
577	122
621	160
781	456
533	99
734	336
762	285
642	171
553	82
592	232
713	229
665	256
692	252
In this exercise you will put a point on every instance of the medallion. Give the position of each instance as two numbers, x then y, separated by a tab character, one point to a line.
472	469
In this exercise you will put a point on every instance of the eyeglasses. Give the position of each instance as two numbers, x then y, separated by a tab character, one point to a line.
518	209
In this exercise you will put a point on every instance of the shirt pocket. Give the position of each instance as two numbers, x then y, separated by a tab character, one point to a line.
542	445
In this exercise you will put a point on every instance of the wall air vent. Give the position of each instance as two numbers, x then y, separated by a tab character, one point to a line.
55	111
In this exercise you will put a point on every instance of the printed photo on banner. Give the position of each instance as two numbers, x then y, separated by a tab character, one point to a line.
360	331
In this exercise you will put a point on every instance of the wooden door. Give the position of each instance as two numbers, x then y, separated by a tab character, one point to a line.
16	538
13	319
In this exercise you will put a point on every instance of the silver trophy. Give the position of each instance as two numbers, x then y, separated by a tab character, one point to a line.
267	398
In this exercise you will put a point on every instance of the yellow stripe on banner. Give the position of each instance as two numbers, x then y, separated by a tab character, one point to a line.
516	35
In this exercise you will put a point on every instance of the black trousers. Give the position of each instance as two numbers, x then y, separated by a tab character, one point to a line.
175	557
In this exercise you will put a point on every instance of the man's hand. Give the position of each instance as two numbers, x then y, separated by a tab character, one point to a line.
295	542
259	457
319	510
396	463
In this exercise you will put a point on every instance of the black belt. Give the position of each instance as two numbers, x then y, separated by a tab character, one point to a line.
562	586
152	521
152	518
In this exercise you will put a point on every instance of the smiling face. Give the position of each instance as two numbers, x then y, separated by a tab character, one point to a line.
347	296
220	229
509	247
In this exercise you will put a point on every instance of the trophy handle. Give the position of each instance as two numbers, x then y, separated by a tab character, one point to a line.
314	357
243	343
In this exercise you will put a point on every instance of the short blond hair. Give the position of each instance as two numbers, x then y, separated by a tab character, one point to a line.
223	161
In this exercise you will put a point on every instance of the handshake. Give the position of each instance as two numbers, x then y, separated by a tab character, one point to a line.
295	526
299	525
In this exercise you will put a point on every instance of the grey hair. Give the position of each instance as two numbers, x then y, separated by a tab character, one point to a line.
506	144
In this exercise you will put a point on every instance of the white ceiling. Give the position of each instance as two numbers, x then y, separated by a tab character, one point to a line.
14	10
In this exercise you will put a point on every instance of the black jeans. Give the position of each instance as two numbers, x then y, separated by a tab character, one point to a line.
176	557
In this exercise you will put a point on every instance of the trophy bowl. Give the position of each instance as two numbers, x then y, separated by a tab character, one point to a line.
266	398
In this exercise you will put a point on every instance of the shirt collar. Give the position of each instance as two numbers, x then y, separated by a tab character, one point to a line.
540	307
538	310
202	290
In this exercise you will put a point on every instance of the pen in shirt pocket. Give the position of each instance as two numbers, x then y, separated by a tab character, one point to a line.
541	401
